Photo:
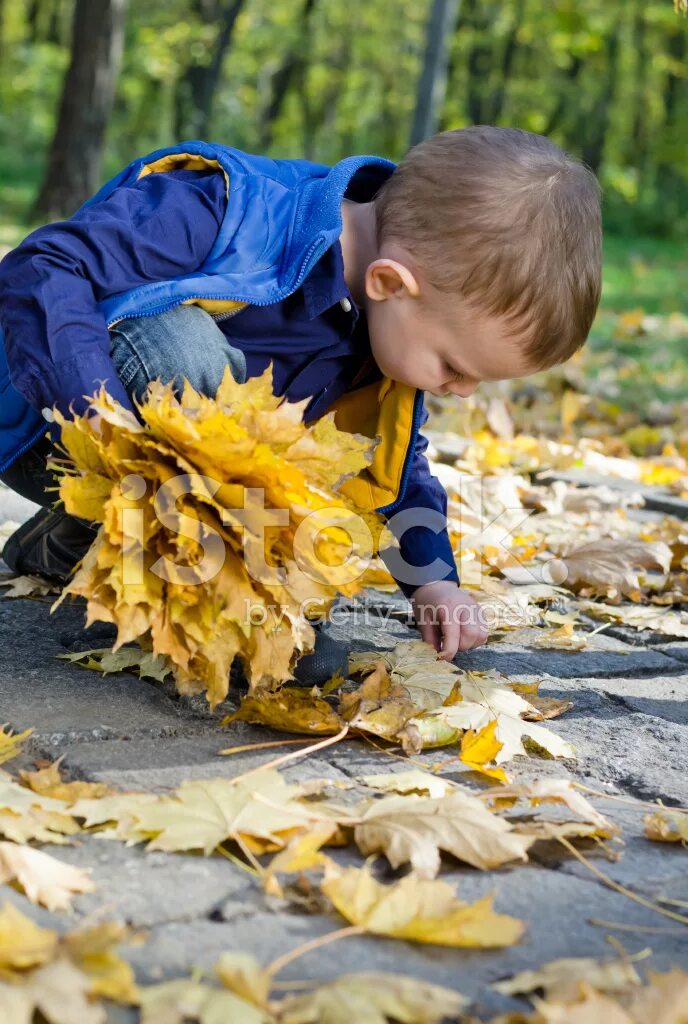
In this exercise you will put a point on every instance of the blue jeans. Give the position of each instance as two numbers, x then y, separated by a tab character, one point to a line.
185	341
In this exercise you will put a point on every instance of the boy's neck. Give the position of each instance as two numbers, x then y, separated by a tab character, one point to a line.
359	246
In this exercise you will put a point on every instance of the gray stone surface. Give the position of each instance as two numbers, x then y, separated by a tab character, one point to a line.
628	723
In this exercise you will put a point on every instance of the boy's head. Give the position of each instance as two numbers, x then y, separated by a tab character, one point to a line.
488	260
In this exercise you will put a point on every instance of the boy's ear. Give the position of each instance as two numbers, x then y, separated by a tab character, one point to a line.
387	279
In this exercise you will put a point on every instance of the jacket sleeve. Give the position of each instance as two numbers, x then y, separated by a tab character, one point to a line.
56	341
421	545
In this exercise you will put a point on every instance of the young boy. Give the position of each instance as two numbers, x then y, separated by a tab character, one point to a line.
476	258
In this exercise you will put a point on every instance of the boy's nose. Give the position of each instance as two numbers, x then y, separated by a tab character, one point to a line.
464	388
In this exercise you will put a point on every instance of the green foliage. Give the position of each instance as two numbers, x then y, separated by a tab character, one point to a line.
607	82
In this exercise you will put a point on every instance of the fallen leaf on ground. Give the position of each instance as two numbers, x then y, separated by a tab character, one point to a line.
290	709
182	1001
262	810
371	998
413	781
478	749
93	951
418	910
126	659
28	586
59	992
543	791
413	829
606	567
11	743
667	826
561	979
43	878
49	782
25	815
23	944
484	699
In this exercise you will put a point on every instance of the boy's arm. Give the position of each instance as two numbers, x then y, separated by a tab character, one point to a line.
422	545
56	341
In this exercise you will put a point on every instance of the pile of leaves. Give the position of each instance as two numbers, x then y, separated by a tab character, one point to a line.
179	498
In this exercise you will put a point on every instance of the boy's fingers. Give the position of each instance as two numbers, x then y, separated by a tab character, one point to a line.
451	637
430	632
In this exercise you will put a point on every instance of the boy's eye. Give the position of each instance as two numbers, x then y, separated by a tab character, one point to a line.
456	374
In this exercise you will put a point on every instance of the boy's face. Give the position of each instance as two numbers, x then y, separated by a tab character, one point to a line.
429	350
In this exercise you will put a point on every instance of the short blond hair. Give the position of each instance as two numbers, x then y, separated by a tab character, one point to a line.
509	221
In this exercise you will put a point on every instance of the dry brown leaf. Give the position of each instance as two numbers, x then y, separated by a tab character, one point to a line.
607	567
290	709
28	586
413	829
418	910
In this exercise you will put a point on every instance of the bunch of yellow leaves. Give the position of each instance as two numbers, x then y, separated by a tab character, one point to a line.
183	562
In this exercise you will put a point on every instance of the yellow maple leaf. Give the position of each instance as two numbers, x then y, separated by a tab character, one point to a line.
290	709
49	782
414	829
419	910
23	944
481	747
11	743
182	499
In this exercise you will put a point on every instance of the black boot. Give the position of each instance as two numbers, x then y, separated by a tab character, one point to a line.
329	656
49	544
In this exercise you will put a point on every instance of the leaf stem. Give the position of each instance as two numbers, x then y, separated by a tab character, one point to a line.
342	933
293	755
620	888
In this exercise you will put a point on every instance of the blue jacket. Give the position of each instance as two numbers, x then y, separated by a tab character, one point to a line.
281	216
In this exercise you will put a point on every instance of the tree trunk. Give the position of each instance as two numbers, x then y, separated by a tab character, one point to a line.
495	103
196	89
479	62
74	164
572	72
432	87
286	74
592	150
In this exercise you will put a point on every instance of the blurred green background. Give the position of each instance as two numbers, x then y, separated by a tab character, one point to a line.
86	85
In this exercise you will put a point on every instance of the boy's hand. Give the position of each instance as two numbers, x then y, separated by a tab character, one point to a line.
448	618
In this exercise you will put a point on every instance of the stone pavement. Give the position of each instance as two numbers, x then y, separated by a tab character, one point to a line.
629	725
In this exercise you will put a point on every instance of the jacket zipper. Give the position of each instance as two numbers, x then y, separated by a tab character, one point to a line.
223	298
415	423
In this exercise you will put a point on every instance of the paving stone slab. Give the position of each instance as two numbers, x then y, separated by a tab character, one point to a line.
642	755
150	888
158	767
